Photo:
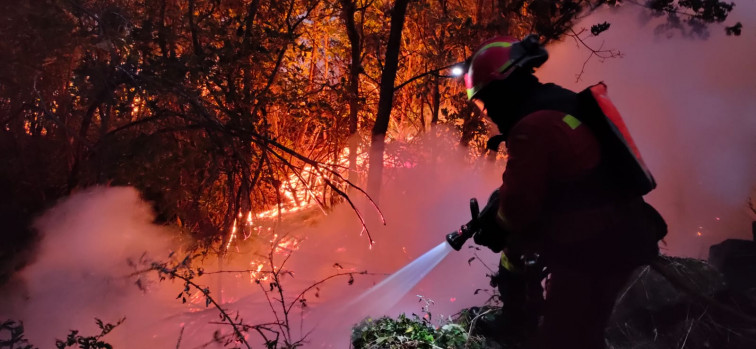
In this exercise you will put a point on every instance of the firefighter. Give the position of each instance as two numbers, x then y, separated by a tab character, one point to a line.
570	198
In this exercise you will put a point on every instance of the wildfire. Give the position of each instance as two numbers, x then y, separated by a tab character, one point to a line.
255	273
233	235
300	191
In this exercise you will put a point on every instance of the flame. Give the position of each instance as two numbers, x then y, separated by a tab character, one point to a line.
254	274
135	106
299	191
298	196
232	236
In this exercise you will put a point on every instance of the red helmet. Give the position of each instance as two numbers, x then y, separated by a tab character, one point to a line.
497	58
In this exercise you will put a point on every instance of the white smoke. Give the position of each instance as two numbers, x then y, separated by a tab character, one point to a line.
81	271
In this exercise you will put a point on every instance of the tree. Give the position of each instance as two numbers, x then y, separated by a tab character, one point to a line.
349	9
219	108
385	102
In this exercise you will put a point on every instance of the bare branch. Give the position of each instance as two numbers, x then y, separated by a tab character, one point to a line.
600	52
430	72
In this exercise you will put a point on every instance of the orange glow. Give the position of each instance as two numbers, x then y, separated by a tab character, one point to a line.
254	274
297	196
233	235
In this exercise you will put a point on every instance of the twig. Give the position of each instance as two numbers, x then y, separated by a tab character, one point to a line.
430	72
301	294
173	273
693	322
600	53
270	303
481	262
472	324
181	335
627	289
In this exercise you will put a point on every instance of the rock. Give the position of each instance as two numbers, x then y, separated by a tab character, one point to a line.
736	260
655	313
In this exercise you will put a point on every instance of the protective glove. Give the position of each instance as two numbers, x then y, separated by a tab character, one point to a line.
489	233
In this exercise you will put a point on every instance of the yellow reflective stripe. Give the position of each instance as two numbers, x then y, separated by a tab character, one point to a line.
493	44
505	66
500	215
470	92
497	44
571	121
506	263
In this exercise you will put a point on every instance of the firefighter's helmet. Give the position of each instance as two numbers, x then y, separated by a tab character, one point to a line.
498	57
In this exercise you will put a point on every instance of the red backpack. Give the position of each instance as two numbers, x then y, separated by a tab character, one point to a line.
621	154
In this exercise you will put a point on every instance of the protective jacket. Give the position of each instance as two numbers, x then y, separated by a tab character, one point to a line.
560	197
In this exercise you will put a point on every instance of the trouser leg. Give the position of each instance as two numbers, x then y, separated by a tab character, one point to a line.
521	296
578	306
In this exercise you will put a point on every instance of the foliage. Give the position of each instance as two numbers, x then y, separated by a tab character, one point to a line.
88	342
417	331
183	270
692	307
215	108
690	17
13	336
276	333
16	338
555	19
414	332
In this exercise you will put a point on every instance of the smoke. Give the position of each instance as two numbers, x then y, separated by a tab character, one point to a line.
94	241
80	272
421	204
690	106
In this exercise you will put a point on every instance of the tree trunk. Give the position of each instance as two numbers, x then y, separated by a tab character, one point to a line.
353	91
385	100
436	106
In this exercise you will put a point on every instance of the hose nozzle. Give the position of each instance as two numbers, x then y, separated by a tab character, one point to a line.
458	238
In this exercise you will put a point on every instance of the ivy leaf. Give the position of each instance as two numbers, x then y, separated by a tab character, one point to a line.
597	29
735	29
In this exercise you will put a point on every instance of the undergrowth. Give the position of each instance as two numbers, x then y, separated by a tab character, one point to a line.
411	332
